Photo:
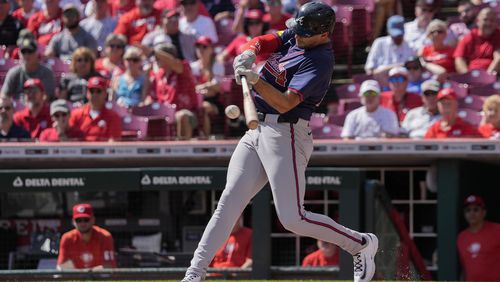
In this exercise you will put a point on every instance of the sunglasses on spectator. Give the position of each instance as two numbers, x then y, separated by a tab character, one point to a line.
370	93
427	10
116	46
438	31
473	209
96	91
83	60
58	115
6	108
430	93
82	219
412	67
396	79
133	60
254	22
201	46
27	51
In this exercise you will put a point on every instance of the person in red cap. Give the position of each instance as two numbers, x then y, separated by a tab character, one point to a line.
86	246
253	26
96	121
208	74
478	245
450	124
36	116
60	130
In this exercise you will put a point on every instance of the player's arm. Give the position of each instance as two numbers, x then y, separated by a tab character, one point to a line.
63	260
281	101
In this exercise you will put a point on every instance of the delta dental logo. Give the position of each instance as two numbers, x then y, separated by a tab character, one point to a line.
49	182
176	180
324	180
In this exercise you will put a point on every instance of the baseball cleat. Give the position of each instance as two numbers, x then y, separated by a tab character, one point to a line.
192	277
364	263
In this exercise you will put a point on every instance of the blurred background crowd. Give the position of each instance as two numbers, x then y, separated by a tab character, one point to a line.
162	69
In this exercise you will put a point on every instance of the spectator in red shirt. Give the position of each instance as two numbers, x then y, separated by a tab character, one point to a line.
397	99
480	49
237	251
25	11
86	246
450	125
275	16
491	125
438	56
46	23
96	121
253	26
173	83
36	116
60	130
120	7
326	255
479	244
139	21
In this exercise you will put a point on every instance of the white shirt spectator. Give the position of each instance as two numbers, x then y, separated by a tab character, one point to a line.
385	52
415	36
417	121
361	124
203	25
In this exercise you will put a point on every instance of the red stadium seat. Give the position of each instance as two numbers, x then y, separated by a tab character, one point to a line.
59	67
317	120
473	78
348	91
342	34
134	127
461	89
337	119
471	116
486	90
362	11
329	131
120	110
471	102
5	66
360	77
161	119
347	105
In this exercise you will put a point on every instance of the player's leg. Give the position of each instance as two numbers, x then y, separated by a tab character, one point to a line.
288	149
245	177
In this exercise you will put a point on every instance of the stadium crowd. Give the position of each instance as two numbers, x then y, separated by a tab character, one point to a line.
114	70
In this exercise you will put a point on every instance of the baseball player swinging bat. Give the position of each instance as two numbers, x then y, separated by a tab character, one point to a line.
248	105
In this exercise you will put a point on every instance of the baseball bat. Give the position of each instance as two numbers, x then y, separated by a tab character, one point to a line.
248	105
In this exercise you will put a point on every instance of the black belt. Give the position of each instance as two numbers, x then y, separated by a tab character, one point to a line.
281	118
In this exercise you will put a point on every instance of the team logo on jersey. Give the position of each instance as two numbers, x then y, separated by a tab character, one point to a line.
276	69
474	249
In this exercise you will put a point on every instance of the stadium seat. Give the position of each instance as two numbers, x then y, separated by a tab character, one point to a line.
360	77
161	119
337	119
486	90
461	89
347	105
120	110
134	127
348	91
471	102
317	120
342	35
470	116
473	78
5	66
329	131
224	30
362	11
59	67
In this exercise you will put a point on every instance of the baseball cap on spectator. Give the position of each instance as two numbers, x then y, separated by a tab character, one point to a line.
204	40
169	13
430	85
82	210
33	82
395	26
254	15
413	63
70	10
447	93
398	71
24	34
371	86
474	200
97	82
27	44
59	105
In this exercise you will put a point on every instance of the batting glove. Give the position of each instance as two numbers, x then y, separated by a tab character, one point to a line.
252	77
244	60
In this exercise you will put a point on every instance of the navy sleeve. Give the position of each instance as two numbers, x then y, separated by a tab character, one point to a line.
310	80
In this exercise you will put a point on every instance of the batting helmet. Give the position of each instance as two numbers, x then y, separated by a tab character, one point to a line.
313	18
